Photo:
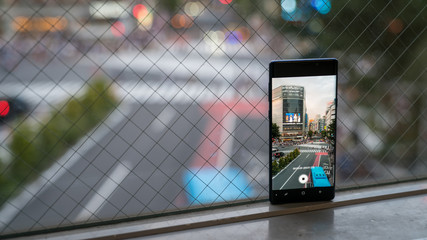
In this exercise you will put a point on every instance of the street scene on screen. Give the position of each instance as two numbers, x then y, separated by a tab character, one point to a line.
303	131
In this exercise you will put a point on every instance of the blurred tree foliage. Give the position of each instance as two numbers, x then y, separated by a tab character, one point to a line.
169	6
381	48
389	33
34	146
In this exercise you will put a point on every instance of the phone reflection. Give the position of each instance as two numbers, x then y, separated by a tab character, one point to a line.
308	225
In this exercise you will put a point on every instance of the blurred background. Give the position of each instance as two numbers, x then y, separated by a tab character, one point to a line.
114	110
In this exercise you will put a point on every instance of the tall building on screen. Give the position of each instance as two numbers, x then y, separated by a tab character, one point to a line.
289	111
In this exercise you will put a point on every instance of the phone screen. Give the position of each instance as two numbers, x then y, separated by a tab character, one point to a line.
303	123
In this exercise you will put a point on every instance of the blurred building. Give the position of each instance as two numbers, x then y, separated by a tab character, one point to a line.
138	21
79	19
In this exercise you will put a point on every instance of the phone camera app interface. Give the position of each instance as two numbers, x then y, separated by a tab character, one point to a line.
303	132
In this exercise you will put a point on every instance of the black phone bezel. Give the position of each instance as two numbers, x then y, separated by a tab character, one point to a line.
300	68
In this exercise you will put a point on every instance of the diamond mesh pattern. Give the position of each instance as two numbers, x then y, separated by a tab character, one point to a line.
134	108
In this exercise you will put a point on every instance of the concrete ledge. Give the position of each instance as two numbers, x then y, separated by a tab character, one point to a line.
247	212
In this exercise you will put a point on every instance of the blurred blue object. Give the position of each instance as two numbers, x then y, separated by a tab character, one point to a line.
209	185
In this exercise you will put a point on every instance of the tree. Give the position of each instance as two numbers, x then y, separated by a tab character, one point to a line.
330	134
282	163
310	134
388	36
324	134
169	5
275	131
274	168
33	147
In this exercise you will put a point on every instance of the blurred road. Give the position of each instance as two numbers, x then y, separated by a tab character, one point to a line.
135	162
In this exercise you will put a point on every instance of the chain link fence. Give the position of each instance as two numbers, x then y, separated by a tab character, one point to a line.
114	110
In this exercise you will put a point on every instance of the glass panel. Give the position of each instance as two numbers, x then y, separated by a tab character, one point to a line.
112	110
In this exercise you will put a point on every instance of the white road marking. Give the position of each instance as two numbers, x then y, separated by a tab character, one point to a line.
289	177
107	188
50	176
304	151
162	121
286	167
228	125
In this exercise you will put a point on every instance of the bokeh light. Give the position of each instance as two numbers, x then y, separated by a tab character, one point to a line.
289	6
395	26
144	16
4	108
322	6
193	8
234	37
181	21
225	1
140	11
118	29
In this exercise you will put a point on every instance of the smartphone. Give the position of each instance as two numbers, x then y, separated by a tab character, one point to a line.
302	114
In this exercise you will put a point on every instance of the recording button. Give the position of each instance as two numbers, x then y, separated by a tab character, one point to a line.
303	179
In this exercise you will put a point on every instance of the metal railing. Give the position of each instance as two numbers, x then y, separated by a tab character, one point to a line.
114	110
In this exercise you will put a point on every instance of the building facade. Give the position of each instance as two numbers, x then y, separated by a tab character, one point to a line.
330	113
289	112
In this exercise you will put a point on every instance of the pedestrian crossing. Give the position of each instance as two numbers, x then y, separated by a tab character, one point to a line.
171	92
51	93
41	92
305	151
314	145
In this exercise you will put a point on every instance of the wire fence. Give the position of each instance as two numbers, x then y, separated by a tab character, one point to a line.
112	110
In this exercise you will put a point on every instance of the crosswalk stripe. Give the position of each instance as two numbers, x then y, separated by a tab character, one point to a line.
51	92
305	151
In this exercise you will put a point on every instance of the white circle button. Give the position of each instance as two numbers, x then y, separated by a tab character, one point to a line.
303	179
